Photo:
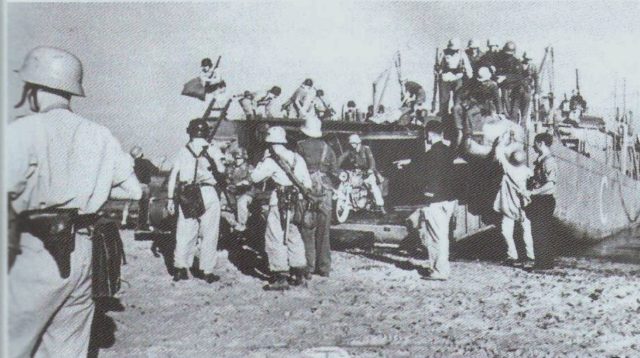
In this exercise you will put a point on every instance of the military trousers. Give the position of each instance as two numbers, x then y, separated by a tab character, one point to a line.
207	226
317	242
508	226
283	251
447	89
50	316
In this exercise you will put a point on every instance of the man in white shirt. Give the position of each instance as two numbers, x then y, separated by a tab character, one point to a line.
58	163
192	166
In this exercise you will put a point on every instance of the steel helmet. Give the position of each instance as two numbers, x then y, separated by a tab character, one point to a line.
276	90
473	43
453	44
53	68
198	128
351	104
319	93
509	47
240	153
354	139
308	82
136	151
484	74
276	135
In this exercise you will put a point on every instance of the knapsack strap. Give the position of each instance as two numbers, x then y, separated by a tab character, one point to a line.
196	156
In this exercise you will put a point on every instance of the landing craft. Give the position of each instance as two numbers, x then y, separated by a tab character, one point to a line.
595	196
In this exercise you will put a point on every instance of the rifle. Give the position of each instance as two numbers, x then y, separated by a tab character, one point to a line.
217	63
306	193
398	64
219	176
436	77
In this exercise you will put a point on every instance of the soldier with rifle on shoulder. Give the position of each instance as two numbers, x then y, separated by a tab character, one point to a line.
63	168
283	242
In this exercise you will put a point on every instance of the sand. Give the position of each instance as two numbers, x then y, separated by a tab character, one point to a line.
375	304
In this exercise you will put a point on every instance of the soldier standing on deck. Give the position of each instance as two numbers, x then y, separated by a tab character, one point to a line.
507	75
474	54
283	243
299	99
524	89
194	166
453	69
248	105
268	99
239	173
321	162
62	169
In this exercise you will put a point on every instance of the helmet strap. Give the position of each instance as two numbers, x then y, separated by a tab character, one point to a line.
32	96
23	98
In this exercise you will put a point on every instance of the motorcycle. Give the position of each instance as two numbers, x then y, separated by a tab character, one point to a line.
352	194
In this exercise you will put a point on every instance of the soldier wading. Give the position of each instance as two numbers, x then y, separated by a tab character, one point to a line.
63	168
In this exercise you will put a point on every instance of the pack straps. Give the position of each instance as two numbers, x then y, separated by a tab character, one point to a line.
196	156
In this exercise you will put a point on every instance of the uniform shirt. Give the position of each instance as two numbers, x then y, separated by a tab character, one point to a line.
247	107
486	94
321	105
509	66
488	60
358	160
416	90
268	168
437	172
185	164
312	150
59	159
474	59
267	101
238	173
144	169
456	63
545	170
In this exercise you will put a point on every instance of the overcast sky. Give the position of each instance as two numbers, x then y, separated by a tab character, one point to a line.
138	56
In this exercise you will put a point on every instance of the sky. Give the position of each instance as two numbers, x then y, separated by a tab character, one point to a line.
137	56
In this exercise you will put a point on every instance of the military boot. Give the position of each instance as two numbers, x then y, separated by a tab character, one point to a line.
297	276
280	283
180	274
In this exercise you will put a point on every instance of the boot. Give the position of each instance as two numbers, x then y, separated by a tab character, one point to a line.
297	276
180	274
280	283
211	278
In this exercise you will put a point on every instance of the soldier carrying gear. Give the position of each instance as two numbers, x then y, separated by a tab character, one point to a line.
238	176
193	178
360	158
322	107
248	105
454	68
144	170
283	243
322	165
268	99
507	75
299	99
527	85
414	100
474	54
489	58
352	114
50	283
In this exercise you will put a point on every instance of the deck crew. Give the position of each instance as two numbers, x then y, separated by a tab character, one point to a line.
414	99
526	86
267	101
322	107
248	105
299	101
352	114
63	168
454	68
360	158
239	174
322	165
283	243
489	58
543	202
198	204
507	75
432	221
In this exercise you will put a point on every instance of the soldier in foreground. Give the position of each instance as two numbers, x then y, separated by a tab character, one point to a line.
63	168
198	204
432	221
322	165
283	243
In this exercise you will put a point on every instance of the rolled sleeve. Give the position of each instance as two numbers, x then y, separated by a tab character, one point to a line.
550	170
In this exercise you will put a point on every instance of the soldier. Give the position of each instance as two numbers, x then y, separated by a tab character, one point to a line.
414	99
432	221
248	105
360	157
299	99
489	58
454	67
352	114
474	54
198	202
283	243
322	165
268	99
238	175
507	75
61	171
323	108
144	170
526	86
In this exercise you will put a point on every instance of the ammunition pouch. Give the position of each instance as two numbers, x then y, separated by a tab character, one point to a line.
191	201
56	228
108	256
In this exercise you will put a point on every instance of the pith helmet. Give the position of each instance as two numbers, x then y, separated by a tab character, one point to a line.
473	43
354	139
276	135
53	68
453	44
509	47
198	128
136	151
312	127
